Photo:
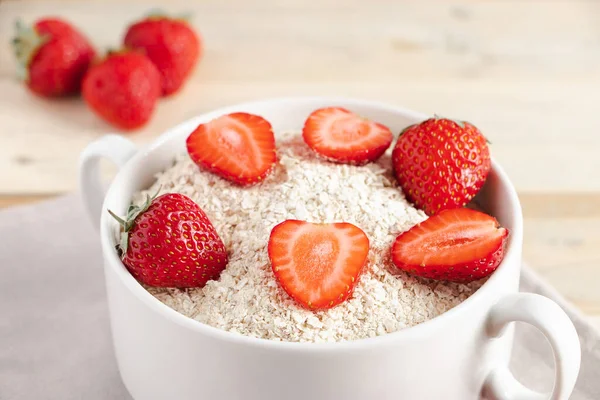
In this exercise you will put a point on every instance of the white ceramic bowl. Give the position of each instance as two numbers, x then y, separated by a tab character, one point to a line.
460	355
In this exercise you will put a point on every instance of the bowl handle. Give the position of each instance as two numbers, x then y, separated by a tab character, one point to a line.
113	147
553	322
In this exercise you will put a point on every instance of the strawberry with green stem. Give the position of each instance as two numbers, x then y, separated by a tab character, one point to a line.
170	242
52	55
441	163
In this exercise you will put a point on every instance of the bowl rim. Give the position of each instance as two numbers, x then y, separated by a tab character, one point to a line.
113	262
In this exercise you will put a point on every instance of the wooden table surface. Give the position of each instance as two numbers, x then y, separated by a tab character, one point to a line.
527	73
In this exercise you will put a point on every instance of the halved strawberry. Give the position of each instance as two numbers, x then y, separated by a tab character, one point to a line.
317	264
458	245
341	136
239	147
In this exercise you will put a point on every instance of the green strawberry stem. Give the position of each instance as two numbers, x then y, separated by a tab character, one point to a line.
185	16
25	44
128	222
111	51
157	13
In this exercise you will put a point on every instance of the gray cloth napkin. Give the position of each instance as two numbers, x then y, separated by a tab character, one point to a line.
54	330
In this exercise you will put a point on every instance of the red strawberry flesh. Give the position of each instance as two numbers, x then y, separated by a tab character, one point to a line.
239	147
318	264
458	245
342	136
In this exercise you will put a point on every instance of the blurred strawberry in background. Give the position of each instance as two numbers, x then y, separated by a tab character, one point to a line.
53	56
170	43
123	89
160	53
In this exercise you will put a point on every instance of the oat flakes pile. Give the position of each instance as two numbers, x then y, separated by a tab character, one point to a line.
247	299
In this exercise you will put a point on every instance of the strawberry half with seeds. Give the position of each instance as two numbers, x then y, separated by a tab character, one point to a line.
318	265
441	164
459	245
239	147
339	135
170	242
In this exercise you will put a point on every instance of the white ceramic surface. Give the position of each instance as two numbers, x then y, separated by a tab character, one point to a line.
460	355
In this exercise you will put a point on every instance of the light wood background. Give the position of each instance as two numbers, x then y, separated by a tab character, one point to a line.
527	73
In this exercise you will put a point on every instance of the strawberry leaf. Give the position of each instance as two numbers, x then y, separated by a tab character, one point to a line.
124	243
119	219
127	223
25	44
185	16
156	13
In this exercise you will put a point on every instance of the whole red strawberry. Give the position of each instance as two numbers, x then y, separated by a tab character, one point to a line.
169	242
171	44
123	89
441	164
53	56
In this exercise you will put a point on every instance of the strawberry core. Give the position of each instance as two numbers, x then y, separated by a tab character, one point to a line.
318	252
349	128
